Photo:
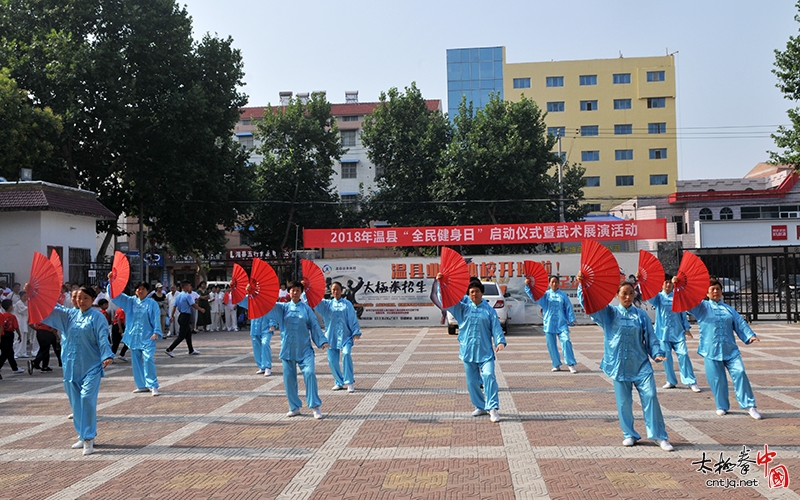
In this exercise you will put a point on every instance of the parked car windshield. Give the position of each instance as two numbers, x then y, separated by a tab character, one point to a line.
490	289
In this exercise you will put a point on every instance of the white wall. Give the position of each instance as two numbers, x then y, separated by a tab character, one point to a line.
744	233
22	233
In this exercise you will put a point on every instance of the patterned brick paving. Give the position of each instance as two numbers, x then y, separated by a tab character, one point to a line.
219	430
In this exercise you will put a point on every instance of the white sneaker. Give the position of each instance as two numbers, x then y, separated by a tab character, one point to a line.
88	447
293	413
668	386
18	370
494	416
169	353
70	416
195	352
555	369
628	441
664	444
122	358
694	388
260	372
317	412
721	412
336	387
754	413
154	391
78	445
267	372
478	412
350	388
138	390
572	369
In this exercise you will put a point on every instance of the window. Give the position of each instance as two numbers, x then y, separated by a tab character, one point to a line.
656	128
751	212
706	214
79	259
350	118
655	76
623	154
245	121
555	107
659	179
349	138
588	80
622	104
556	131
592	207
591	181
623	129
725	214
624	180
522	83
590	155
656	102
589	130
588	105
554	81
658	154
349	169
246	141
349	198
622	78
680	227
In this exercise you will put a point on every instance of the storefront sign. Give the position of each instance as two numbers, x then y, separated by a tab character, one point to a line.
780	233
500	234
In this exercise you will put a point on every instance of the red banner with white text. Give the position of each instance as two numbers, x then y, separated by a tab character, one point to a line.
499	234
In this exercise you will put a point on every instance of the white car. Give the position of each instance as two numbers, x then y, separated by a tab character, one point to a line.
730	288
495	298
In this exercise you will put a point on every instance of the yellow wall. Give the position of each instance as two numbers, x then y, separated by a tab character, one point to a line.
639	116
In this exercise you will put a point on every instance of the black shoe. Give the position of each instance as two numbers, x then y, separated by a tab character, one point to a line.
30	367
47	369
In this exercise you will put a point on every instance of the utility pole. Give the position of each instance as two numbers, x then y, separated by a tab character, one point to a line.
560	181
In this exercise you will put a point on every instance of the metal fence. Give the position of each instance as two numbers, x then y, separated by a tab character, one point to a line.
760	284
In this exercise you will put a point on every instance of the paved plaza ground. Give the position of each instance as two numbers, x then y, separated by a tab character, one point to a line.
219	431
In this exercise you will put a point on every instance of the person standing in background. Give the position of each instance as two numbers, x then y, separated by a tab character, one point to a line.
215	302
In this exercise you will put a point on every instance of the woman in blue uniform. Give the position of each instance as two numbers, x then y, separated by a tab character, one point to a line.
718	321
480	336
298	325
142	328
558	315
341	330
85	352
672	330
628	340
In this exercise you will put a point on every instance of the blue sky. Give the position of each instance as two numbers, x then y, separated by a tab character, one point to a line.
727	100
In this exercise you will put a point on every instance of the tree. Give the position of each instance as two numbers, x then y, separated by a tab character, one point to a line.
407	141
498	167
147	111
27	134
300	143
786	69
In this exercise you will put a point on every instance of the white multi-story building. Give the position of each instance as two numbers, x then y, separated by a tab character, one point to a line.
354	172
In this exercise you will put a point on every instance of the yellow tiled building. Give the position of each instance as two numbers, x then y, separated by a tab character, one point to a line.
616	117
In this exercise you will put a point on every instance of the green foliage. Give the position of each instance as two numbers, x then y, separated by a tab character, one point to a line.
27	133
147	111
300	143
407	141
787	69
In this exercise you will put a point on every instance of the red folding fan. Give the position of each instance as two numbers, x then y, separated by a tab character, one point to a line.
313	282
651	275
120	273
239	284
56	261
264	288
536	272
43	289
692	285
601	276
455	277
